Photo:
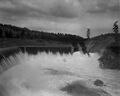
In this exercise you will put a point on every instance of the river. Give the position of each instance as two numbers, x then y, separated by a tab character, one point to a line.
44	74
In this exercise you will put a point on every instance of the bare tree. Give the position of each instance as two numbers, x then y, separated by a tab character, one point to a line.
88	33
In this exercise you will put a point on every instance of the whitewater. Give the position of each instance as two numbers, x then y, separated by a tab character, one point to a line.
44	74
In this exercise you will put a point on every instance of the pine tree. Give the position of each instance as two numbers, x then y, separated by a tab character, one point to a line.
115	27
116	31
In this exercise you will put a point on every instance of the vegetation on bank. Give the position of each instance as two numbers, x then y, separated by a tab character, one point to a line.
31	41
10	31
88	44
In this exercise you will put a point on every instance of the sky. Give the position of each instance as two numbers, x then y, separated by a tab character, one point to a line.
66	16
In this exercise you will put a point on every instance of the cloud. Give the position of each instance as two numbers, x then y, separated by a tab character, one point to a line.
41	14
17	10
111	7
52	26
60	15
56	8
6	4
64	11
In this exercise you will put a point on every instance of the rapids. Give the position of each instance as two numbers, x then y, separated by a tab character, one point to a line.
45	74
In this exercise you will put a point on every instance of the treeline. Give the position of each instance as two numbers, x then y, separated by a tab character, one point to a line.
10	31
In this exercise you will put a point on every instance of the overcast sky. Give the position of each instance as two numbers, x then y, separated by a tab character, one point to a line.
68	16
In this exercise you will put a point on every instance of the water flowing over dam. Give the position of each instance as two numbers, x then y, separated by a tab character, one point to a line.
45	74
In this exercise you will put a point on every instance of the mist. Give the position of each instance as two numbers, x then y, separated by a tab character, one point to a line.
45	74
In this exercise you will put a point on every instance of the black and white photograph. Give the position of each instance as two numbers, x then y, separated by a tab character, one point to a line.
59	47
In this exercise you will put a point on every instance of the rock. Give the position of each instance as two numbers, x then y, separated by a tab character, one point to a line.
110	58
98	82
78	89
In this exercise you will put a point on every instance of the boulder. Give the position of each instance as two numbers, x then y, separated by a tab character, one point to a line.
111	57
99	83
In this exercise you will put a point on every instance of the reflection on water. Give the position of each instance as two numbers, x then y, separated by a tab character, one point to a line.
44	74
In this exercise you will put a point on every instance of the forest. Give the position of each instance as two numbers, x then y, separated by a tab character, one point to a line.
13	32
